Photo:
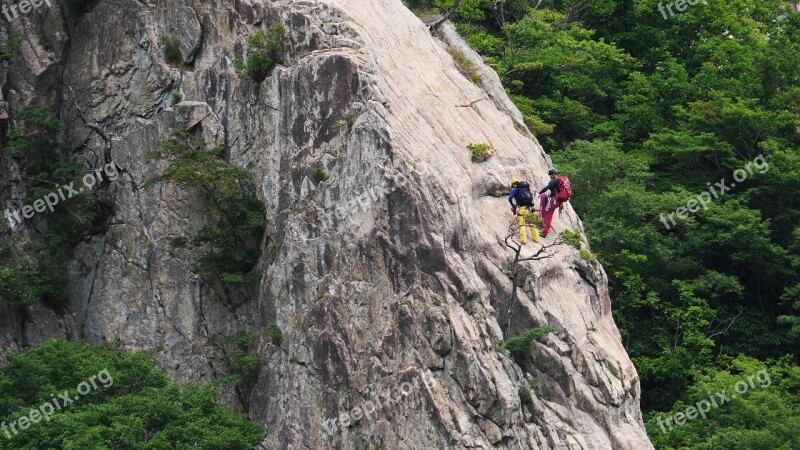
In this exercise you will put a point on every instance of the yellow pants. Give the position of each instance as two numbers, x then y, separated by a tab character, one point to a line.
523	232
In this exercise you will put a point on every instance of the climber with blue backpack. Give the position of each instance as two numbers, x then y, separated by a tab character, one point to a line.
520	195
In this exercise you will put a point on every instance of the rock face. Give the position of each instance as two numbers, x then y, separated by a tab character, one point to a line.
390	280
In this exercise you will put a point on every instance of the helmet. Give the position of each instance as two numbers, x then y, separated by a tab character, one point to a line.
552	171
514	182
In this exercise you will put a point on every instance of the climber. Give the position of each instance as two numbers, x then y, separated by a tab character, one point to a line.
560	192
520	195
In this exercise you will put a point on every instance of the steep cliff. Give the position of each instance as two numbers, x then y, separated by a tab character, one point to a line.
389	280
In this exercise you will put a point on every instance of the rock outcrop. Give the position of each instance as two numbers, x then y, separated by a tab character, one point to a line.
390	280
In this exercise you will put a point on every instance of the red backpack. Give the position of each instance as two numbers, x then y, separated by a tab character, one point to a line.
564	189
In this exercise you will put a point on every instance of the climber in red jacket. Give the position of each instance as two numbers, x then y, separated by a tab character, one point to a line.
549	203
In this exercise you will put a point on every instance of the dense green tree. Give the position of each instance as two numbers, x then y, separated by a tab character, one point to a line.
745	404
233	238
119	400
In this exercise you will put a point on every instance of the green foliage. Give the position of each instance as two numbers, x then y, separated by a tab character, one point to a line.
320	174
41	277
243	367
34	133
537	126
233	278
480	152
264	52
172	50
521	345
572	238
350	119
339	126
525	391
237	219
274	333
130	404
345	124
587	255
525	395
176	98
10	48
559	76
531	218
761	414
39	273
14	285
465	65
467	9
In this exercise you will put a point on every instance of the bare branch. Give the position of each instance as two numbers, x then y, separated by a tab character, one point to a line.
540	254
730	324
441	20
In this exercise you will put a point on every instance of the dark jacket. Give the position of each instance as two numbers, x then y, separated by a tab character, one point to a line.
552	186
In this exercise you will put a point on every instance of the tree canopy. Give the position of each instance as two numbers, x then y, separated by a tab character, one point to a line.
646	113
118	400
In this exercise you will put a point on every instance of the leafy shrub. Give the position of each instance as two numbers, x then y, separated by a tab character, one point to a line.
41	274
176	98
480	152
320	174
525	395
263	54
350	119
587	255
274	333
538	126
531	218
339	126
41	278
172	50
233	240
10	48
15	286
130	404
572	238
346	123
233	278
243	367
521	345
465	65
34	133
